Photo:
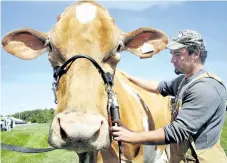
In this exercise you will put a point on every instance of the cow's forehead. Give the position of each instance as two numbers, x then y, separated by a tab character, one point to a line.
84	24
85	9
89	8
85	13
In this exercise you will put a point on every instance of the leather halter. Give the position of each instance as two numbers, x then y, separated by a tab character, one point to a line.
60	70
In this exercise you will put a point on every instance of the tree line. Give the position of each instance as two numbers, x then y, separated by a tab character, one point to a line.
36	116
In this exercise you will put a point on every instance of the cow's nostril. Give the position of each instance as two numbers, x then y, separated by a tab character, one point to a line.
96	134
62	132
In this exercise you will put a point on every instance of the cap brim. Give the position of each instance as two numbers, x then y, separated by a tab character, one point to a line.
173	45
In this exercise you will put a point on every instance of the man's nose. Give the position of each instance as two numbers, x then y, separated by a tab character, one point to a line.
173	60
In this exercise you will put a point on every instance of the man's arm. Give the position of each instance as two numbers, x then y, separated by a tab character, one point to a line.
150	86
164	88
147	138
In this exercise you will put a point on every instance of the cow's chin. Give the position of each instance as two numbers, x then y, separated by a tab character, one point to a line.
80	147
92	134
101	143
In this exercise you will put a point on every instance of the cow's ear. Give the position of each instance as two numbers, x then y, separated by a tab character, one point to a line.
145	42
25	43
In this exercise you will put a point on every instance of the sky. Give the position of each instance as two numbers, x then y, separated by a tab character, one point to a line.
26	85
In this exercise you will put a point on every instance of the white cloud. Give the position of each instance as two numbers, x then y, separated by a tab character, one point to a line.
137	5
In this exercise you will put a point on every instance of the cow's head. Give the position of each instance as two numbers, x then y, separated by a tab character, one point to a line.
80	121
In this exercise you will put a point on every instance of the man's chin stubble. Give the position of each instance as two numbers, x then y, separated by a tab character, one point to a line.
177	71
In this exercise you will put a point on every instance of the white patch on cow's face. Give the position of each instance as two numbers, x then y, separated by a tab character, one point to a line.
85	12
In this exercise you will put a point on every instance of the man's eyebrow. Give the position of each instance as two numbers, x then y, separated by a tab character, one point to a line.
175	52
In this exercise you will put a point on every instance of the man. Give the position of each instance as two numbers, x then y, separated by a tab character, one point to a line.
199	111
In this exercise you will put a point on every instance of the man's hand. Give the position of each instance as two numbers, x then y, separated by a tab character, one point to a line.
151	86
121	133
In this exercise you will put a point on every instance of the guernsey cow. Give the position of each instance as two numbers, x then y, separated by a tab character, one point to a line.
81	123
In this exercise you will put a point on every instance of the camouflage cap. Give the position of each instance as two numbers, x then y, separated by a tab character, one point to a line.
186	38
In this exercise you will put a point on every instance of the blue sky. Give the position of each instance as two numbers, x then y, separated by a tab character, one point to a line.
26	85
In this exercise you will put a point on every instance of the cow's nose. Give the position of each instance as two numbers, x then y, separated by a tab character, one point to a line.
75	128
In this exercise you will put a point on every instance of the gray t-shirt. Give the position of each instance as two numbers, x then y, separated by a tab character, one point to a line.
202	114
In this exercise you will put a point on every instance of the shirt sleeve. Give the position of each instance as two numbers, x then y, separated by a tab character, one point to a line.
169	88
200	102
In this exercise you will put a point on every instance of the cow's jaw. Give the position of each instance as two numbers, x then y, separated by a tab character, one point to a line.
79	131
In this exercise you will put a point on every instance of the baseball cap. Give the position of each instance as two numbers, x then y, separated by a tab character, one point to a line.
186	38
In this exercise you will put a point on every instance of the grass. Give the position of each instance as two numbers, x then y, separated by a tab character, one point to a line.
36	136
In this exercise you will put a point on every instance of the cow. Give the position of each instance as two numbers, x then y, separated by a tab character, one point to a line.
80	120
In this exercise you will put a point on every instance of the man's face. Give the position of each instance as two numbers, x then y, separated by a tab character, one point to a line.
182	61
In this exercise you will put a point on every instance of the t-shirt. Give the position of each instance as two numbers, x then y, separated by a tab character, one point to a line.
202	114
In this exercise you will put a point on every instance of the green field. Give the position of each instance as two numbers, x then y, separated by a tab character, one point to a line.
36	136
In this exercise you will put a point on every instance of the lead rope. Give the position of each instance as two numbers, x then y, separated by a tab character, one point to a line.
114	114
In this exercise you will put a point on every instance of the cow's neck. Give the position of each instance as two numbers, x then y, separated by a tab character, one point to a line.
136	115
140	111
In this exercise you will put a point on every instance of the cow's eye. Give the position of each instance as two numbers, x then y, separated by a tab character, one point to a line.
51	48
48	44
119	48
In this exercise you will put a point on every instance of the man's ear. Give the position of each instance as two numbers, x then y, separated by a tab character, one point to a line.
145	42
25	43
197	54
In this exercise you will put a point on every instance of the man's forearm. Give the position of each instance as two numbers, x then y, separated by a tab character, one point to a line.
150	86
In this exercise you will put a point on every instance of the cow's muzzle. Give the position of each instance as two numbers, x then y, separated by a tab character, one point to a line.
79	131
